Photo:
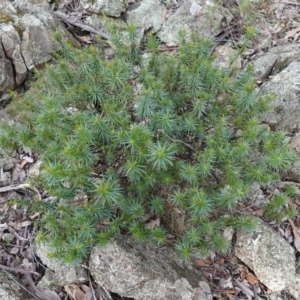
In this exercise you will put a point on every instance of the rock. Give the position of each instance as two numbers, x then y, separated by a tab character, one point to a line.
294	287
146	14
37	24
58	273
275	296
51	295
7	80
269	256
11	43
37	42
275	60
224	55
10	290
26	39
145	271
103	23
207	20
285	106
8	237
113	8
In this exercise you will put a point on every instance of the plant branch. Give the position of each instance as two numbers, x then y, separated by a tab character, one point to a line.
11	230
177	141
81	25
22	286
36	290
19	270
290	183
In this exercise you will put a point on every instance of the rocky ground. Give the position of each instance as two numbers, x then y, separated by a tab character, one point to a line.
263	264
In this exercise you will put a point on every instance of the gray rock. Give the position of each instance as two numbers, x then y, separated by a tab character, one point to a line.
10	290
112	8
11	43
51	295
294	172
206	21
294	287
275	60
285	106
26	39
58	273
146	14
226	57
7	80
37	41
269	256
103	23
145	271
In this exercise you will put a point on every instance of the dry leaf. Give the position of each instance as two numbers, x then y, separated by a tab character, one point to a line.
292	203
288	232
244	272
296	235
244	288
18	173
228	233
78	294
28	159
85	288
294	33
4	208
23	163
251	279
19	225
298	221
226	283
153	223
269	292
208	275
89	295
202	262
69	289
51	295
84	39
258	213
231	292
35	215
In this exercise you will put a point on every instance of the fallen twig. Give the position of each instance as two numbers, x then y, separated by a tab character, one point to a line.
290	182
19	187
244	288
65	18
177	141
288	2
22	286
11	230
14	187
36	290
22	271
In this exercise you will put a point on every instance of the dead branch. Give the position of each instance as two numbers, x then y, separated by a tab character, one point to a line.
87	27
11	230
18	283
36	290
14	187
19	270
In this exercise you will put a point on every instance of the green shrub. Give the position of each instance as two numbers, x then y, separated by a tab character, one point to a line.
146	135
